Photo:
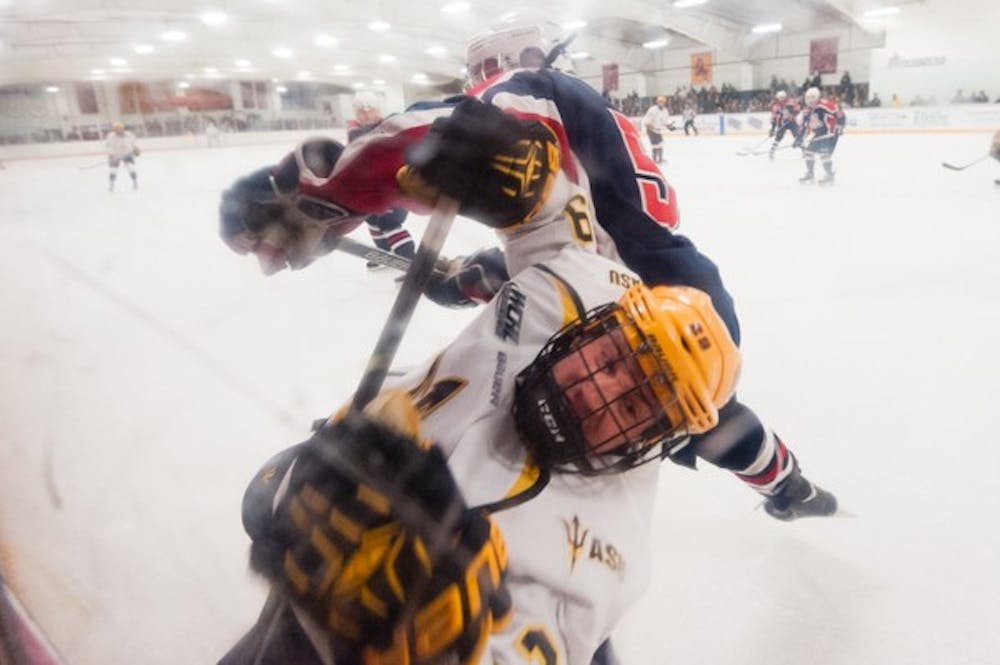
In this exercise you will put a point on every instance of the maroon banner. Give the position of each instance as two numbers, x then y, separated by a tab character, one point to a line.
609	77
823	55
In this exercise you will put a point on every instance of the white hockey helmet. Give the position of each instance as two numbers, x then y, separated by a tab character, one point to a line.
366	99
490	53
812	96
780	95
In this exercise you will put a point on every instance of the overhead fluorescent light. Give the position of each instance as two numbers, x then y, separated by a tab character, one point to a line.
884	11
769	27
420	76
387	58
97	71
325	40
378	82
281	89
455	7
358	85
143	49
214	18
241	62
282	52
340	68
680	4
579	55
655	44
51	88
117	62
304	75
378	26
574	25
436	50
173	36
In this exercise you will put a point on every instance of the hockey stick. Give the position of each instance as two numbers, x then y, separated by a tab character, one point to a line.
369	253
964	166
93	166
786	147
752	150
371	382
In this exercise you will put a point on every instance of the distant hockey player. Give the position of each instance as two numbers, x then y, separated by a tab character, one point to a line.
822	125
995	151
387	229
689	116
656	122
121	147
784	118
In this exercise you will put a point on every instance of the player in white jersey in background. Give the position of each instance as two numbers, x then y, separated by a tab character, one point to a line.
546	408
121	148
822	125
656	121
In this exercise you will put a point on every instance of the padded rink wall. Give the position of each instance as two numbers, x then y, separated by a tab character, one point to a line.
883	120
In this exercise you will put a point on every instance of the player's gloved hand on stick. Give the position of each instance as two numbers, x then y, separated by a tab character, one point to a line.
498	167
265	212
466	281
373	539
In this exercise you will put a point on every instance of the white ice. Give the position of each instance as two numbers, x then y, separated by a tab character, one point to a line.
146	372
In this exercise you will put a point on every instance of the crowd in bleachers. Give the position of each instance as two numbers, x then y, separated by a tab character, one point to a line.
727	99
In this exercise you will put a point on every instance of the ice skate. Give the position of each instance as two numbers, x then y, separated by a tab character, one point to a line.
800	498
807	179
828	179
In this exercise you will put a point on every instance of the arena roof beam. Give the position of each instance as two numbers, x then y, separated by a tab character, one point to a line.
714	32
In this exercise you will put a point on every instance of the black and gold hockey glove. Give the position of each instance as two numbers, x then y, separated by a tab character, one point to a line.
499	167
373	539
467	281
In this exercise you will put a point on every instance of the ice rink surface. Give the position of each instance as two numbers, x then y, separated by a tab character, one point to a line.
146	373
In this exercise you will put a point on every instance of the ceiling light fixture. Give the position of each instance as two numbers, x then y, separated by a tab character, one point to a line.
340	68
655	44
436	50
768	27
579	55
281	89
214	18
420	76
282	52
51	88
884	11
681	4
574	25
240	62
173	36
378	26
117	62
325	40
455	7
183	85
378	82
143	49
387	58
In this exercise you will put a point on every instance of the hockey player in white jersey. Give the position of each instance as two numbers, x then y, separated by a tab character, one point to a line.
121	148
546	407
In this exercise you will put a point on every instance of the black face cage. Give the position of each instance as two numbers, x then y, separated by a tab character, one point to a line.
551	430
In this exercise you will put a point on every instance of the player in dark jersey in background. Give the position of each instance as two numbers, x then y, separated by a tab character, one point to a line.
784	118
822	125
386	230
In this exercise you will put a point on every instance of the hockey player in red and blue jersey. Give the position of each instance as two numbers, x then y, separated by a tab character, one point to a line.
822	125
784	118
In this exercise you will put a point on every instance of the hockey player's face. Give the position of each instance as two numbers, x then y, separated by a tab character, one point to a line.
607	392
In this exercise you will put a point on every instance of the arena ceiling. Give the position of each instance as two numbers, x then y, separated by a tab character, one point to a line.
339	40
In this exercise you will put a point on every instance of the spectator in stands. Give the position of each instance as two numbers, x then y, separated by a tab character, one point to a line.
875	101
958	98
895	102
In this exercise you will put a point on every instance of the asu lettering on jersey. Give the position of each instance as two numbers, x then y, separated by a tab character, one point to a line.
580	540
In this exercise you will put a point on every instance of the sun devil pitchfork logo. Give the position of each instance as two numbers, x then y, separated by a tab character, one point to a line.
535	161
580	541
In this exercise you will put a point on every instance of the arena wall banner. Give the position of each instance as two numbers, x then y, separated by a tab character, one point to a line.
701	68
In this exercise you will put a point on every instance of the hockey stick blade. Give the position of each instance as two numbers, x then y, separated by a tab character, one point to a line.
962	167
372	254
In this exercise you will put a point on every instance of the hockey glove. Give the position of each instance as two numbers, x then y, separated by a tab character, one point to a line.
135	151
359	540
499	167
467	281
995	148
